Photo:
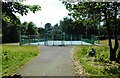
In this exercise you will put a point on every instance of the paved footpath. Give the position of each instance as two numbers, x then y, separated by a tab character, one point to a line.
52	61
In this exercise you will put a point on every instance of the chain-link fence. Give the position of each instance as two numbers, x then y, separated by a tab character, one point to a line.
48	39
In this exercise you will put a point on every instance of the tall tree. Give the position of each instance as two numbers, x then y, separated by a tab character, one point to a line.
92	11
9	19
66	25
24	28
48	27
31	30
41	30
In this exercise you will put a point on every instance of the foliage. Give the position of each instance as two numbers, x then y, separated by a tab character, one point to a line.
56	31
48	27
69	26
13	57
9	8
24	28
66	25
28	28
10	22
91	13
31	29
100	65
41	30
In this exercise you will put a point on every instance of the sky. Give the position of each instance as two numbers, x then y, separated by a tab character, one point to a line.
52	11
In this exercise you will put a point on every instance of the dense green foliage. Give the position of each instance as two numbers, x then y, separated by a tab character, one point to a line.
28	28
93	13
69	26
48	27
10	22
13	57
99	65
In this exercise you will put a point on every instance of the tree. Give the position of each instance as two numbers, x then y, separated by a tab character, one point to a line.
31	30
56	30
41	30
48	27
10	8
107	14
10	32
66	25
24	28
92	11
118	27
78	28
10	21
56	27
69	26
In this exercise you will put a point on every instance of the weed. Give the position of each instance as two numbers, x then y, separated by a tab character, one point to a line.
99	65
14	57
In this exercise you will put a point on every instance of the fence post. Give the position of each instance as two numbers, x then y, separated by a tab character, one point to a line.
64	38
47	40
20	40
44	39
53	39
92	39
81	39
38	39
29	39
71	39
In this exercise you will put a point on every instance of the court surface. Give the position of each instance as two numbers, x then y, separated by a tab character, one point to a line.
60	43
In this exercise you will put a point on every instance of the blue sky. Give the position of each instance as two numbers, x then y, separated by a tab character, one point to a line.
52	11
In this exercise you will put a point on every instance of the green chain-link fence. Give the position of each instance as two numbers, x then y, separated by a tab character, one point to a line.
27	39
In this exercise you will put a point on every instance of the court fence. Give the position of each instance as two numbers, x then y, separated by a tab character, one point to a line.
27	39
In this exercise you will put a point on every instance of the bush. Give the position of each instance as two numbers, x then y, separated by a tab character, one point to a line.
99	65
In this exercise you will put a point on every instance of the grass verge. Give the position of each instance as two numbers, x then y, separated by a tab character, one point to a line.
99	65
13	57
0	61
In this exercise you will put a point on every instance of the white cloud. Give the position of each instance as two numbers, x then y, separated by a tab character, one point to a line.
51	11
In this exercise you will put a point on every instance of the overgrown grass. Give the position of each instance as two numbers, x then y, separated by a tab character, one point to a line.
99	65
0	60
13	57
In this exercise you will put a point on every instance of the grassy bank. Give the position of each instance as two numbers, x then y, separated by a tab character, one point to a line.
99	65
0	60
13	57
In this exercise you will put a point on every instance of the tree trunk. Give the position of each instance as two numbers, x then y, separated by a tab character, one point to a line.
112	51
112	55
118	58
115	32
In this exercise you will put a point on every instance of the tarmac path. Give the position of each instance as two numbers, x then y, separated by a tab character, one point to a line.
52	61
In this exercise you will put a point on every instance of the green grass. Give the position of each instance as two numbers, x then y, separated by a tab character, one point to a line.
13	57
0	60
99	65
105	42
